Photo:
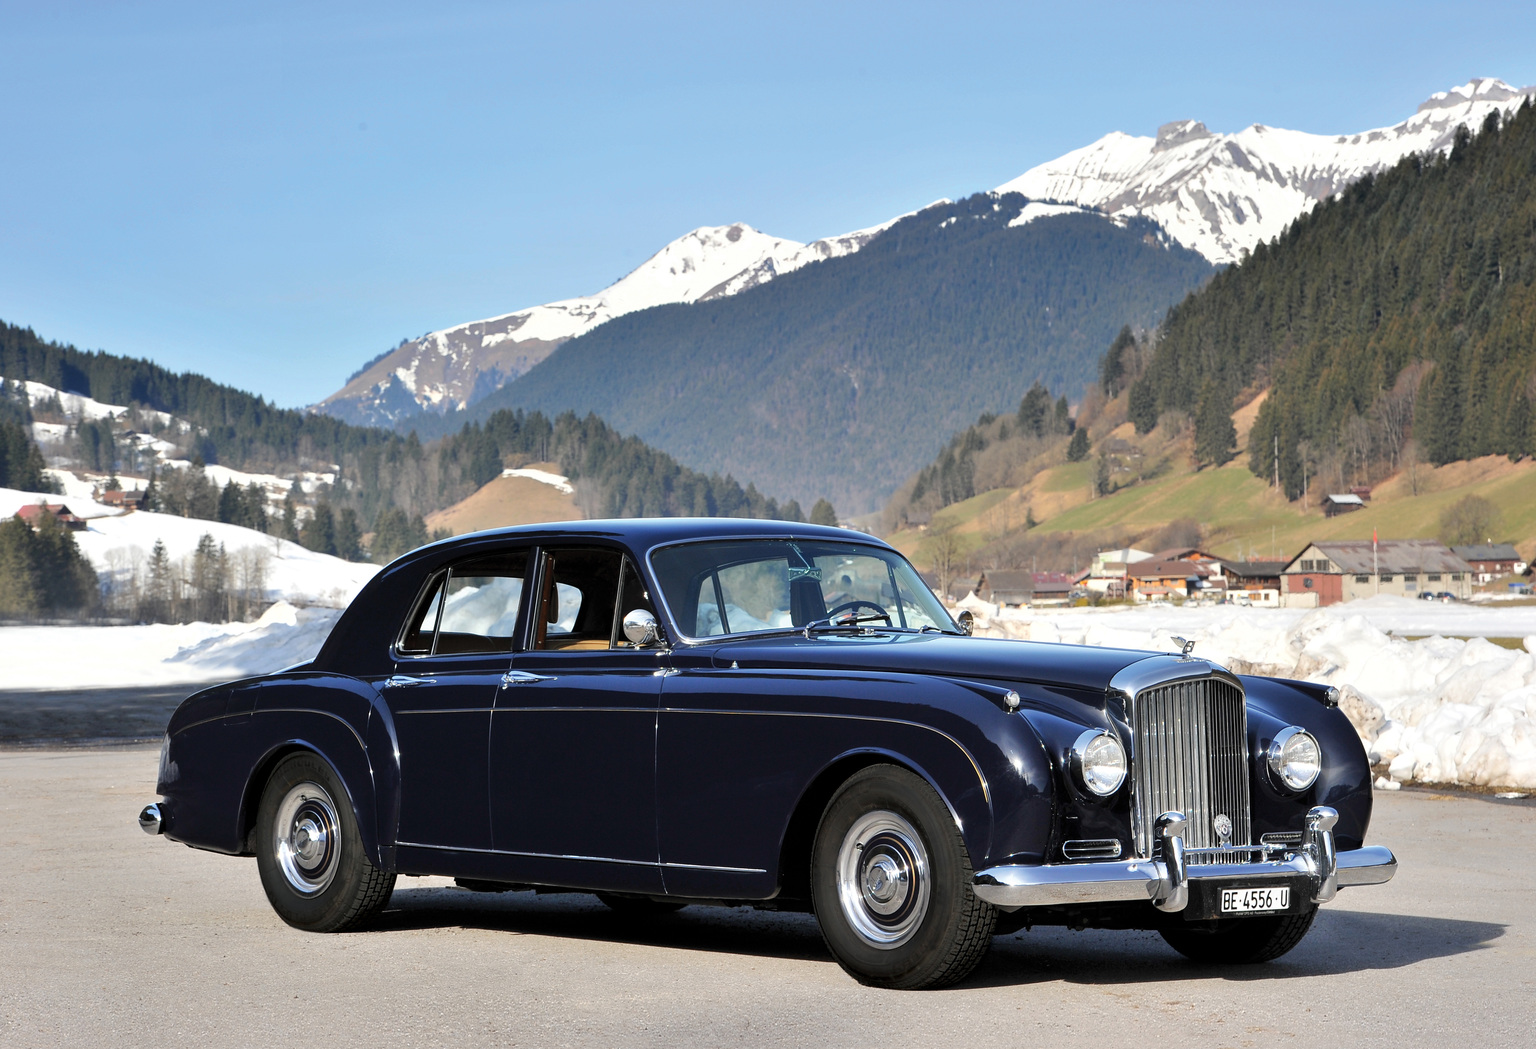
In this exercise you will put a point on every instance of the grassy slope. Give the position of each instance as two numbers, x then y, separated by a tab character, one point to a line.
1242	515
508	501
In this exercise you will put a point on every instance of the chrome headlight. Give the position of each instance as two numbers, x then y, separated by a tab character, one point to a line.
1098	759
1295	759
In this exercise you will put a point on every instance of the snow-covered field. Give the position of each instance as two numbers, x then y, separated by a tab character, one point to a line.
310	590
76	657
119	543
1435	710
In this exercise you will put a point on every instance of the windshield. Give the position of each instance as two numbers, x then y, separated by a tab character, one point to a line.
743	585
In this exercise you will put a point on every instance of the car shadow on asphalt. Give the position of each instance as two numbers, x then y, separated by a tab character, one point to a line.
733	930
1340	941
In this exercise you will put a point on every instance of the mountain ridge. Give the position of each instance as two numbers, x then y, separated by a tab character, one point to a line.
1219	194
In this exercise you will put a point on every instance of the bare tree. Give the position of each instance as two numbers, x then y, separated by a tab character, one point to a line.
1412	465
1356	439
944	547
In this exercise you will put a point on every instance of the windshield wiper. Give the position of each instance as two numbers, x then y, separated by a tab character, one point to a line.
846	621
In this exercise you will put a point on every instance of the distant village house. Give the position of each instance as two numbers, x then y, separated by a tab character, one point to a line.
1489	561
1346	570
124	500
58	511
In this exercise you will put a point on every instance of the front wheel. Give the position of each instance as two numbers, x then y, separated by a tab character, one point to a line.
310	855
1240	941
891	884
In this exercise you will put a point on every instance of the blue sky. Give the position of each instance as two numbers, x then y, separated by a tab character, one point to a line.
272	196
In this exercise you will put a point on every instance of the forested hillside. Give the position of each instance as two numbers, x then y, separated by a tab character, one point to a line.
385	482
845	376
1395	320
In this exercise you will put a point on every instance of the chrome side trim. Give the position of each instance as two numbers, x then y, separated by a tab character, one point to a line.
582	859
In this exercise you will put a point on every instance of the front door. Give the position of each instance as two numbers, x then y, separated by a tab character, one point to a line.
573	737
449	665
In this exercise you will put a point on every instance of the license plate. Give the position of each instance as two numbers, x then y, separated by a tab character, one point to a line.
1251	901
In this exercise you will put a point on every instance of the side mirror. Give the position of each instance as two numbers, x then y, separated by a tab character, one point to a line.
966	621
640	627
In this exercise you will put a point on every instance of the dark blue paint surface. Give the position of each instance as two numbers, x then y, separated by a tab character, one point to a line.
698	770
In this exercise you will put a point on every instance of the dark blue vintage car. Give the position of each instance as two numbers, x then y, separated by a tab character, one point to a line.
666	712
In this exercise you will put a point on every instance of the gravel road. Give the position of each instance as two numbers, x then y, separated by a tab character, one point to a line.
109	937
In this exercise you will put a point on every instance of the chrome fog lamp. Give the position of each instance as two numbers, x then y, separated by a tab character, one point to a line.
1099	761
1295	759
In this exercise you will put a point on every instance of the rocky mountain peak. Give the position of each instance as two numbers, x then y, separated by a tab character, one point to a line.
1178	132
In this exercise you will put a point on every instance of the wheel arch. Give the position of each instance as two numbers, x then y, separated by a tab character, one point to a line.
800	833
261	775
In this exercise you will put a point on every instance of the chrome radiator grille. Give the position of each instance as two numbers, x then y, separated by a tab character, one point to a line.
1190	755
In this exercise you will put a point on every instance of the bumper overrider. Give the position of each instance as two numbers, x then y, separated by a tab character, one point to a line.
1314	864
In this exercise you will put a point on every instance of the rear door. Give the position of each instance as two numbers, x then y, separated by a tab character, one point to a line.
573	737
449	667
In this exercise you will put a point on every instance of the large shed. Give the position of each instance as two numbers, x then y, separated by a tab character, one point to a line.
1349	569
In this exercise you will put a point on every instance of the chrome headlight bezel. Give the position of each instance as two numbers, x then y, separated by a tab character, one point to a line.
1094	774
1289	767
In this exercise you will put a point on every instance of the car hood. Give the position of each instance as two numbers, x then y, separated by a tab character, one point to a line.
1074	666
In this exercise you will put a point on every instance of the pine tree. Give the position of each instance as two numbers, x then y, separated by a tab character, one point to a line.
823	514
160	597
1077	451
1142	407
319	532
1215	436
348	535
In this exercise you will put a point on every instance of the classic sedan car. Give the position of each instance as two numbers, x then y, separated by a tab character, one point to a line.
666	712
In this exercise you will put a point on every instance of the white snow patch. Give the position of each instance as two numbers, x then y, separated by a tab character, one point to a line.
557	481
1038	209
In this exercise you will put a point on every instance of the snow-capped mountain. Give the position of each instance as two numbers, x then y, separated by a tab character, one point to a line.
1223	194
1218	194
448	369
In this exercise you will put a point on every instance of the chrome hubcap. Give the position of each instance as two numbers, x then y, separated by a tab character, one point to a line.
306	838
882	879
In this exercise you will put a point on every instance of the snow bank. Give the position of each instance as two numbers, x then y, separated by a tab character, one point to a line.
1435	710
74	657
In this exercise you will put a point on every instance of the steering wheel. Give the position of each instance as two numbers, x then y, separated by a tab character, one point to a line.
850	606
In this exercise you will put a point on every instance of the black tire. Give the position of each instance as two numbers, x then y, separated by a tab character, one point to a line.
310	855
639	906
891	884
1240	941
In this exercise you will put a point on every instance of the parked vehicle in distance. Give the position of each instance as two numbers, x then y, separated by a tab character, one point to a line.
666	712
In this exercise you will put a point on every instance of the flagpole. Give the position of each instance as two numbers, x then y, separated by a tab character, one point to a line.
1376	560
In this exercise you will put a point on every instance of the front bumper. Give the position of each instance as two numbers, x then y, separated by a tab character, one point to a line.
1165	880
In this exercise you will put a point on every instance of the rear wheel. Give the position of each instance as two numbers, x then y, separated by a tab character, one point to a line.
891	884
310	855
1240	941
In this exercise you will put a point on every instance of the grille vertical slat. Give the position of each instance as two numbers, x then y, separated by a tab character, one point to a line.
1189	742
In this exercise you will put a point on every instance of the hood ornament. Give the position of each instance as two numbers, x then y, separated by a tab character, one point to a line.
1185	647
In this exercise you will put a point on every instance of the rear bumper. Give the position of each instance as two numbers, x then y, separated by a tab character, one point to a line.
1165	881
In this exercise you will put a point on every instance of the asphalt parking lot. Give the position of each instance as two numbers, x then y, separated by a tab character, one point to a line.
109	937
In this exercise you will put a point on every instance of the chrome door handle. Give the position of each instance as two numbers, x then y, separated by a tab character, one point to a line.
522	677
406	681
